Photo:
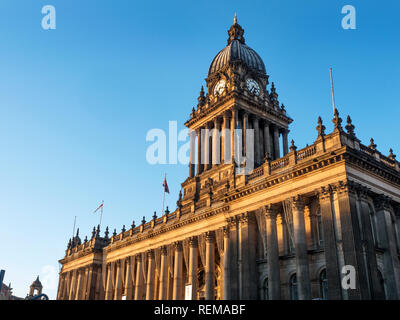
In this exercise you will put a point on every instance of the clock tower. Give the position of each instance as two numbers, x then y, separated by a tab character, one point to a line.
238	102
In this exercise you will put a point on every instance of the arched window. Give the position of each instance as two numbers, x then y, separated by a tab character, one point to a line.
293	287
265	289
323	285
382	284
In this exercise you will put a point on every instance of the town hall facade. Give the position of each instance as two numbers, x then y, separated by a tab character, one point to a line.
292	228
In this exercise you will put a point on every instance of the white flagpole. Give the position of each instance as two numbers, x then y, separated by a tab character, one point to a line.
101	212
73	230
333	94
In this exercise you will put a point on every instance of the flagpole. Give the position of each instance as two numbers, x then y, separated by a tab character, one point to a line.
101	212
163	200
73	230
333	94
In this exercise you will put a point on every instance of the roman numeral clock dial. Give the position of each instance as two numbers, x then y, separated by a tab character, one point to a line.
253	86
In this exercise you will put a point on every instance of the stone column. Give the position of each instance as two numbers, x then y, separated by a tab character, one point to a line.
234	257
225	146
215	143
139	279
109	283
267	140
128	279
163	274
247	256
245	127
206	152
276	143
387	241
61	283
233	133
330	245
256	141
285	142
227	264
72	290
199	152
150	276
261	144
274	282
193	263
209	269
178	269
67	281
118	282
87	285
300	243
192	152
369	245
351	237
78	294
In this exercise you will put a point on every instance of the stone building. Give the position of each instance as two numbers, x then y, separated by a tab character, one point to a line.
292	228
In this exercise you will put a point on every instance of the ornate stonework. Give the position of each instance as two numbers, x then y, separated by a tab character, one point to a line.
282	230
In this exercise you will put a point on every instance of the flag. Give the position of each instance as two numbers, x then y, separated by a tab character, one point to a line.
100	207
165	185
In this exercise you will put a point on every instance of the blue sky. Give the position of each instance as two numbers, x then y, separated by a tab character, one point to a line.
76	102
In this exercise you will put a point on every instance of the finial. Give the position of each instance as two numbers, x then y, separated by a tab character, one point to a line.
201	99
337	121
94	232
350	127
115	232
106	233
235	32
69	244
155	215
144	220
180	194
320	128
86	240
372	144
98	231
77	232
133	224
123	229
391	155
292	146
167	211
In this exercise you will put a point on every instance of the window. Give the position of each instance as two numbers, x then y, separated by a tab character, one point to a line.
323	284
293	287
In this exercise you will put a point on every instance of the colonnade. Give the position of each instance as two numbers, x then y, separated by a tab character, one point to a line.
217	143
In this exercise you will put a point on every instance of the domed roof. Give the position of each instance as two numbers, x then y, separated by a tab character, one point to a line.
237	50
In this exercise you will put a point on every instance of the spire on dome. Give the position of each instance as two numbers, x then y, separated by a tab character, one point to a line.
235	32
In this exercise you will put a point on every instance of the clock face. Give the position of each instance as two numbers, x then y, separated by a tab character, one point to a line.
219	87
253	86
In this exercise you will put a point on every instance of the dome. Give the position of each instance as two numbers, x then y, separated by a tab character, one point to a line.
237	50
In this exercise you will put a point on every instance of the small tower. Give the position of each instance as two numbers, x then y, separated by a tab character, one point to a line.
35	288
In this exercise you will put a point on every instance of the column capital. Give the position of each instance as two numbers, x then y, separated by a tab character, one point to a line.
150	254
226	232
178	245
163	250
210	236
231	221
298	202
271	211
193	242
382	202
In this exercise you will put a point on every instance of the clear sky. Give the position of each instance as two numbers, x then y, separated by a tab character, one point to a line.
76	102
